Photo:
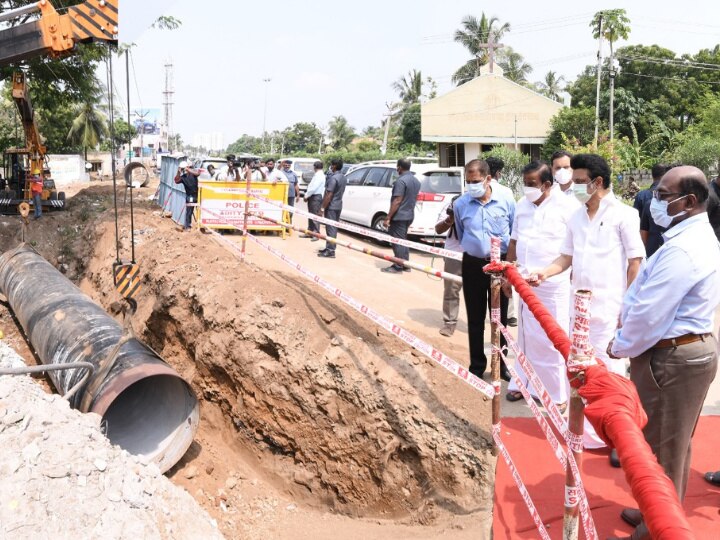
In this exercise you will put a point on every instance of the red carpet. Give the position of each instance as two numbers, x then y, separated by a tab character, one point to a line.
608	493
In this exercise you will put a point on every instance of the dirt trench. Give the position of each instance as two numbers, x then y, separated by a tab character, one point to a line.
295	388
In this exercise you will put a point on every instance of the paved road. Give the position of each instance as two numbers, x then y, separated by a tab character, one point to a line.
413	300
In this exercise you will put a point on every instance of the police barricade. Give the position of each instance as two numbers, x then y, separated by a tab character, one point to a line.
222	205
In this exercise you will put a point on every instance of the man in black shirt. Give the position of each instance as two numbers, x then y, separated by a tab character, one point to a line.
713	208
188	177
331	206
650	232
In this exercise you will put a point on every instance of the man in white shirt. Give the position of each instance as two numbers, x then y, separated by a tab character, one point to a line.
313	197
562	173
538	232
274	175
604	248
667	324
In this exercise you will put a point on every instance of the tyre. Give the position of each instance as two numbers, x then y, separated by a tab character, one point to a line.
378	226
61	196
53	196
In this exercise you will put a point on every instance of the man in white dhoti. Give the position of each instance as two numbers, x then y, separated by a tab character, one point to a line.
604	248
539	230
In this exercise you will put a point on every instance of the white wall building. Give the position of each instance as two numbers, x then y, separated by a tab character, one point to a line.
209	141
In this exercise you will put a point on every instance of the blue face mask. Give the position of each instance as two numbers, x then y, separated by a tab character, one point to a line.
476	191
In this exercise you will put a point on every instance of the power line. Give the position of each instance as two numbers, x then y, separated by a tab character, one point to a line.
685	80
674	62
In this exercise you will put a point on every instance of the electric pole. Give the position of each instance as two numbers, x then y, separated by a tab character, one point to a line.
168	95
388	118
613	74
599	72
267	84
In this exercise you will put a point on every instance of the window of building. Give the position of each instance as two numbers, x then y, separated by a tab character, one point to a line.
451	155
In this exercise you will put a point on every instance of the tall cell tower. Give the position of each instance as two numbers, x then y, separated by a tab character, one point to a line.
168	102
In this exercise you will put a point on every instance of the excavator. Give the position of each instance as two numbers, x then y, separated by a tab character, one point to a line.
54	35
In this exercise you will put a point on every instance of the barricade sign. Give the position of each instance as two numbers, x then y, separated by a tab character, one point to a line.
222	205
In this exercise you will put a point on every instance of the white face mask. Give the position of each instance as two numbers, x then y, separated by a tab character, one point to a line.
583	193
532	193
563	176
476	191
659	212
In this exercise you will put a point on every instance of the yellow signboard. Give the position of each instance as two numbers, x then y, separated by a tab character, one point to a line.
222	205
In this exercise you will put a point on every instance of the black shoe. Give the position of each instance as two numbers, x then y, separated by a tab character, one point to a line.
314	239
614	459
323	250
326	253
512	321
407	269
392	270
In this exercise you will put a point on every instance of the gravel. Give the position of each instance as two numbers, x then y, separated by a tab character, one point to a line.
61	478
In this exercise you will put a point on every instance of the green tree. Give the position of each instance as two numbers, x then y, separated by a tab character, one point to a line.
410	125
570	123
551	85
473	33
246	144
89	127
514	65
341	132
615	25
512	171
409	88
124	132
699	150
302	138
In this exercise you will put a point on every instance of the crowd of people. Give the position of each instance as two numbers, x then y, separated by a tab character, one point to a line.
653	271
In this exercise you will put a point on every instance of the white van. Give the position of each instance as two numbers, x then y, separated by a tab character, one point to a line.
304	169
369	190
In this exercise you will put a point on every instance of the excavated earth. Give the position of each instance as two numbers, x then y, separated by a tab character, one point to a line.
307	410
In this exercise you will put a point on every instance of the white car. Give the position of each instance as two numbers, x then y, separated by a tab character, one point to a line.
369	190
303	168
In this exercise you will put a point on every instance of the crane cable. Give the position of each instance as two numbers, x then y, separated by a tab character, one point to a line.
111	116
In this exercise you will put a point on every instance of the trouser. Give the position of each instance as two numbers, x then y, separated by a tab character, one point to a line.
512	311
291	202
189	210
331	230
672	384
314	204
37	202
451	292
399	229
476	291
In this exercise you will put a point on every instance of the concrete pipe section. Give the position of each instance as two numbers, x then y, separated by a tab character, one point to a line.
148	409
136	175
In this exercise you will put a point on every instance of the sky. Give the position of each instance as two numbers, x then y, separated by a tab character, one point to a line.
328	58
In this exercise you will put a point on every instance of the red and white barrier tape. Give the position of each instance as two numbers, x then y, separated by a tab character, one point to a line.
520	484
441	252
428	350
578	496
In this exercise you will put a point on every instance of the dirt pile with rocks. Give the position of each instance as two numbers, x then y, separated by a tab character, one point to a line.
61	478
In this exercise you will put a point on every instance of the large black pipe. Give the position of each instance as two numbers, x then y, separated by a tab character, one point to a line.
148	409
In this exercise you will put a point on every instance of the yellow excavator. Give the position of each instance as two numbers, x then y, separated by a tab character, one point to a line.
55	35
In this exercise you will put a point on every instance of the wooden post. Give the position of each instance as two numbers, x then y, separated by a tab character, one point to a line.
581	354
248	178
495	283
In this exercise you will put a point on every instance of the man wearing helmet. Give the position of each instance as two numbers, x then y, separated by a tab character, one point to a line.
36	188
188	177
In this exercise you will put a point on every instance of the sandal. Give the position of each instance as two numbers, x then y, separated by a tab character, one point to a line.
713	478
514	396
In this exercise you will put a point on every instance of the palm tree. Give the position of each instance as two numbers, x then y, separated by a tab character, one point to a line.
514	66
341	132
551	86
89	126
615	25
472	35
409	87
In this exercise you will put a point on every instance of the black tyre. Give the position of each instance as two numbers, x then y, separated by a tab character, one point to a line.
378	226
61	196
54	196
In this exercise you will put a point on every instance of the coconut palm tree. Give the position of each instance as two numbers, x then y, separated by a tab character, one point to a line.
341	132
89	126
409	87
472	35
514	66
552	85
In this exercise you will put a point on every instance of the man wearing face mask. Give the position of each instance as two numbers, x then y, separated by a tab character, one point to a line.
479	215
667	324
604	248
538	233
562	173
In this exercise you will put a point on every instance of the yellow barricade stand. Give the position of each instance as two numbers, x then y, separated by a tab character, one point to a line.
222	205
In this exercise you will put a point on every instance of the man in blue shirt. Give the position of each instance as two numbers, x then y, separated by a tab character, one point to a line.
667	324
313	198
479	215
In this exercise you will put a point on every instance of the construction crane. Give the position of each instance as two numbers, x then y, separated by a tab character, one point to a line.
54	35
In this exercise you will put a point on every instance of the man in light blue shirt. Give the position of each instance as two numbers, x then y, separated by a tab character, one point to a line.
667	323
479	215
313	198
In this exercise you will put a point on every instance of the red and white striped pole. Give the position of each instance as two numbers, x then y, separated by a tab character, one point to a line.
581	356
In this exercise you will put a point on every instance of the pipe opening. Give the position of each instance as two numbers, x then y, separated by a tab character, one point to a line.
155	417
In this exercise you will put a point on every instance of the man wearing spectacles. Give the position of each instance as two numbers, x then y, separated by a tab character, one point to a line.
667	323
